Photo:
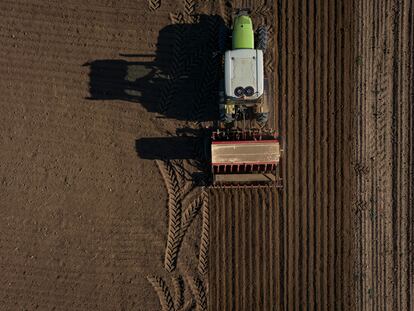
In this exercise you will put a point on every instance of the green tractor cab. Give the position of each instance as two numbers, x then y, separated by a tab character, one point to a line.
243	34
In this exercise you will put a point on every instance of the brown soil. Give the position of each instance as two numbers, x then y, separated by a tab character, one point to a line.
103	105
83	218
310	244
245	249
383	156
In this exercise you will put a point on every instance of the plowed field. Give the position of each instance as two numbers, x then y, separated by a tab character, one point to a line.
311	259
103	204
244	260
383	156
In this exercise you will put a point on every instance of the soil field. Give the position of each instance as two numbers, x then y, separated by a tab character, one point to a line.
315	100
244	257
83	219
383	156
102	200
309	252
345	119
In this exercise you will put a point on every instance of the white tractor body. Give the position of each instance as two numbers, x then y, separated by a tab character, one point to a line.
243	68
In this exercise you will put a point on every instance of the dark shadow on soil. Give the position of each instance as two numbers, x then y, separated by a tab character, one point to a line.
166	148
189	144
180	81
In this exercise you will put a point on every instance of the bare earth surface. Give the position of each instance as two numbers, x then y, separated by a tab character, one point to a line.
307	262
82	216
102	207
383	156
314	55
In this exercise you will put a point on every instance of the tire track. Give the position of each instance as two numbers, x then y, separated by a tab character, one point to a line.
178	302
199	292
163	293
178	285
205	233
188	216
179	220
174	215
189	8
154	5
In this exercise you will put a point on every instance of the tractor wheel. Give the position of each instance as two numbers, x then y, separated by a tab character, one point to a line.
223	38
261	38
262	118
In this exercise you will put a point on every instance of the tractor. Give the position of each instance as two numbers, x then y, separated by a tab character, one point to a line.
244	146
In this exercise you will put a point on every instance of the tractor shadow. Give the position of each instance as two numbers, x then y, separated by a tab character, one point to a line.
189	145
180	81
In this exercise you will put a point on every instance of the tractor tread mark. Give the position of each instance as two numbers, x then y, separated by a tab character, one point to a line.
189	9
181	175
178	285
205	239
188	216
154	4
189	305
163	293
262	10
174	214
177	18
199	292
269	67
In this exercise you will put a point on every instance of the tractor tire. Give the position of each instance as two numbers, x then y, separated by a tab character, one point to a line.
261	118
261	38
223	39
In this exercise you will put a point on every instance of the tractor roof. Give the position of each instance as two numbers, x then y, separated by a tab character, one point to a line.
243	68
